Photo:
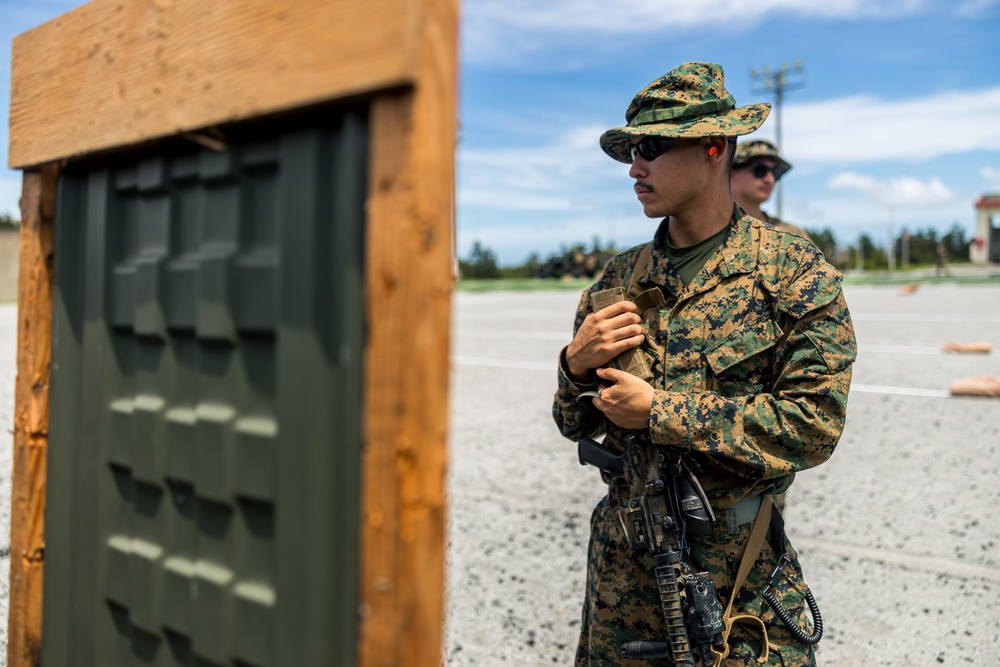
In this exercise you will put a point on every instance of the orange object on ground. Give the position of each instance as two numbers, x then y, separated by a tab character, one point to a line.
978	347
981	385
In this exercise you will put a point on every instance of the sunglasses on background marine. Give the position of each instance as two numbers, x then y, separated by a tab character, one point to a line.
760	170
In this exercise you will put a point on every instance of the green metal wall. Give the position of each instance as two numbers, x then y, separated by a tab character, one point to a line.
205	412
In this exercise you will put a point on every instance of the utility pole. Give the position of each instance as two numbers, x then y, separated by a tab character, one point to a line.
778	81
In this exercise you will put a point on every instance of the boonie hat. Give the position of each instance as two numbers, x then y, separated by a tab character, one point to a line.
760	148
688	101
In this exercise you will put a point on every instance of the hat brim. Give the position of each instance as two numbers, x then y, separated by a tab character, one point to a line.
617	142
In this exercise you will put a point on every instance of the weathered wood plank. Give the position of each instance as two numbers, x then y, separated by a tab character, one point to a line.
408	288
31	417
117	72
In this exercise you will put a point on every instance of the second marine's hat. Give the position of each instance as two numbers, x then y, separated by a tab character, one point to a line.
760	148
688	101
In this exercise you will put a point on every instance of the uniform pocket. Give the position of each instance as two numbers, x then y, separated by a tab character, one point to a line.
740	364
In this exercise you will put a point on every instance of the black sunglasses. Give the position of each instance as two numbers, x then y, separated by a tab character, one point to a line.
760	170
650	147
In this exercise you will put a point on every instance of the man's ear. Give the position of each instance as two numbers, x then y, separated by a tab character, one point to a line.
715	149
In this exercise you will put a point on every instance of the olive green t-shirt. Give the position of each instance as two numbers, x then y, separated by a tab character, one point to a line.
687	262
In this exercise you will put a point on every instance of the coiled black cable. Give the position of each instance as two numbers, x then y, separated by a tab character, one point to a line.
790	622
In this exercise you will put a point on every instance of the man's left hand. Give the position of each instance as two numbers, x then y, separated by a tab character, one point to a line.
624	398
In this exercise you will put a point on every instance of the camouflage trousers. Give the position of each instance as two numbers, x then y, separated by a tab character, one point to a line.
622	602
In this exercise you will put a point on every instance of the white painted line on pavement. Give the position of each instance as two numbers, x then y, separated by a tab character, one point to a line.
916	349
877	349
549	366
935	564
519	335
899	391
901	349
922	317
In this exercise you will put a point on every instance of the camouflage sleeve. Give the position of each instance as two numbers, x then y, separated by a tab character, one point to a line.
576	418
797	422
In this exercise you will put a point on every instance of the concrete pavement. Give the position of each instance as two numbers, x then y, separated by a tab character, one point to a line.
897	533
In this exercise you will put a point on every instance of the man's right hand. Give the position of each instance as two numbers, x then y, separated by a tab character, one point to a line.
602	337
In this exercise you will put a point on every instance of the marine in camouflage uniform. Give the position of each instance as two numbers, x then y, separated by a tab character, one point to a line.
751	190
751	365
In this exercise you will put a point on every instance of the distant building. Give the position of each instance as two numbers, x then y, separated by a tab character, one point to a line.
985	246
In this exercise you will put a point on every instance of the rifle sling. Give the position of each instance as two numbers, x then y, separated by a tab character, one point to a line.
758	534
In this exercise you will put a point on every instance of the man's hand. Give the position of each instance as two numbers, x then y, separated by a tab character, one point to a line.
624	398
602	337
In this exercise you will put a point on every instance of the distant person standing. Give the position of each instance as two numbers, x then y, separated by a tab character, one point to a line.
941	252
757	168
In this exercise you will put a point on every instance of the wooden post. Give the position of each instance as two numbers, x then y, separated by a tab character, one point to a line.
31	417
408	305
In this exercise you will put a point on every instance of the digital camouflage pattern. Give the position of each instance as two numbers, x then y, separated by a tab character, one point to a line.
688	101
752	367
760	148
786	226
622	602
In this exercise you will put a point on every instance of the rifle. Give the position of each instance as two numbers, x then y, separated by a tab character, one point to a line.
661	494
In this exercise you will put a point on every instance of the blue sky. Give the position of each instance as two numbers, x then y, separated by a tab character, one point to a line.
898	124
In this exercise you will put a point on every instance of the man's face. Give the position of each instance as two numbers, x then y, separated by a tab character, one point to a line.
671	181
753	188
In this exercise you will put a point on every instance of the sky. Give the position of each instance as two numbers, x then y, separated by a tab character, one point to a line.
896	123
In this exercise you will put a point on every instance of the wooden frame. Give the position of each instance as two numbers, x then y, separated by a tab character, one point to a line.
114	73
111	74
31	417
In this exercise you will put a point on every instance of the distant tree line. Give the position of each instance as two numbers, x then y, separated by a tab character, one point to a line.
8	222
576	261
912	249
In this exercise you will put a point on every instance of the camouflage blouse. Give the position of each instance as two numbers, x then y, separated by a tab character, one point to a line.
751	360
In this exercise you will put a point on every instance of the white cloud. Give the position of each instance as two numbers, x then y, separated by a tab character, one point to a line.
569	171
975	8
902	191
539	177
566	174
852	215
509	29
594	15
866	128
992	177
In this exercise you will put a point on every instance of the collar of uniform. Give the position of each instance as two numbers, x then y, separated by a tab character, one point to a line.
657	269
738	250
737	256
